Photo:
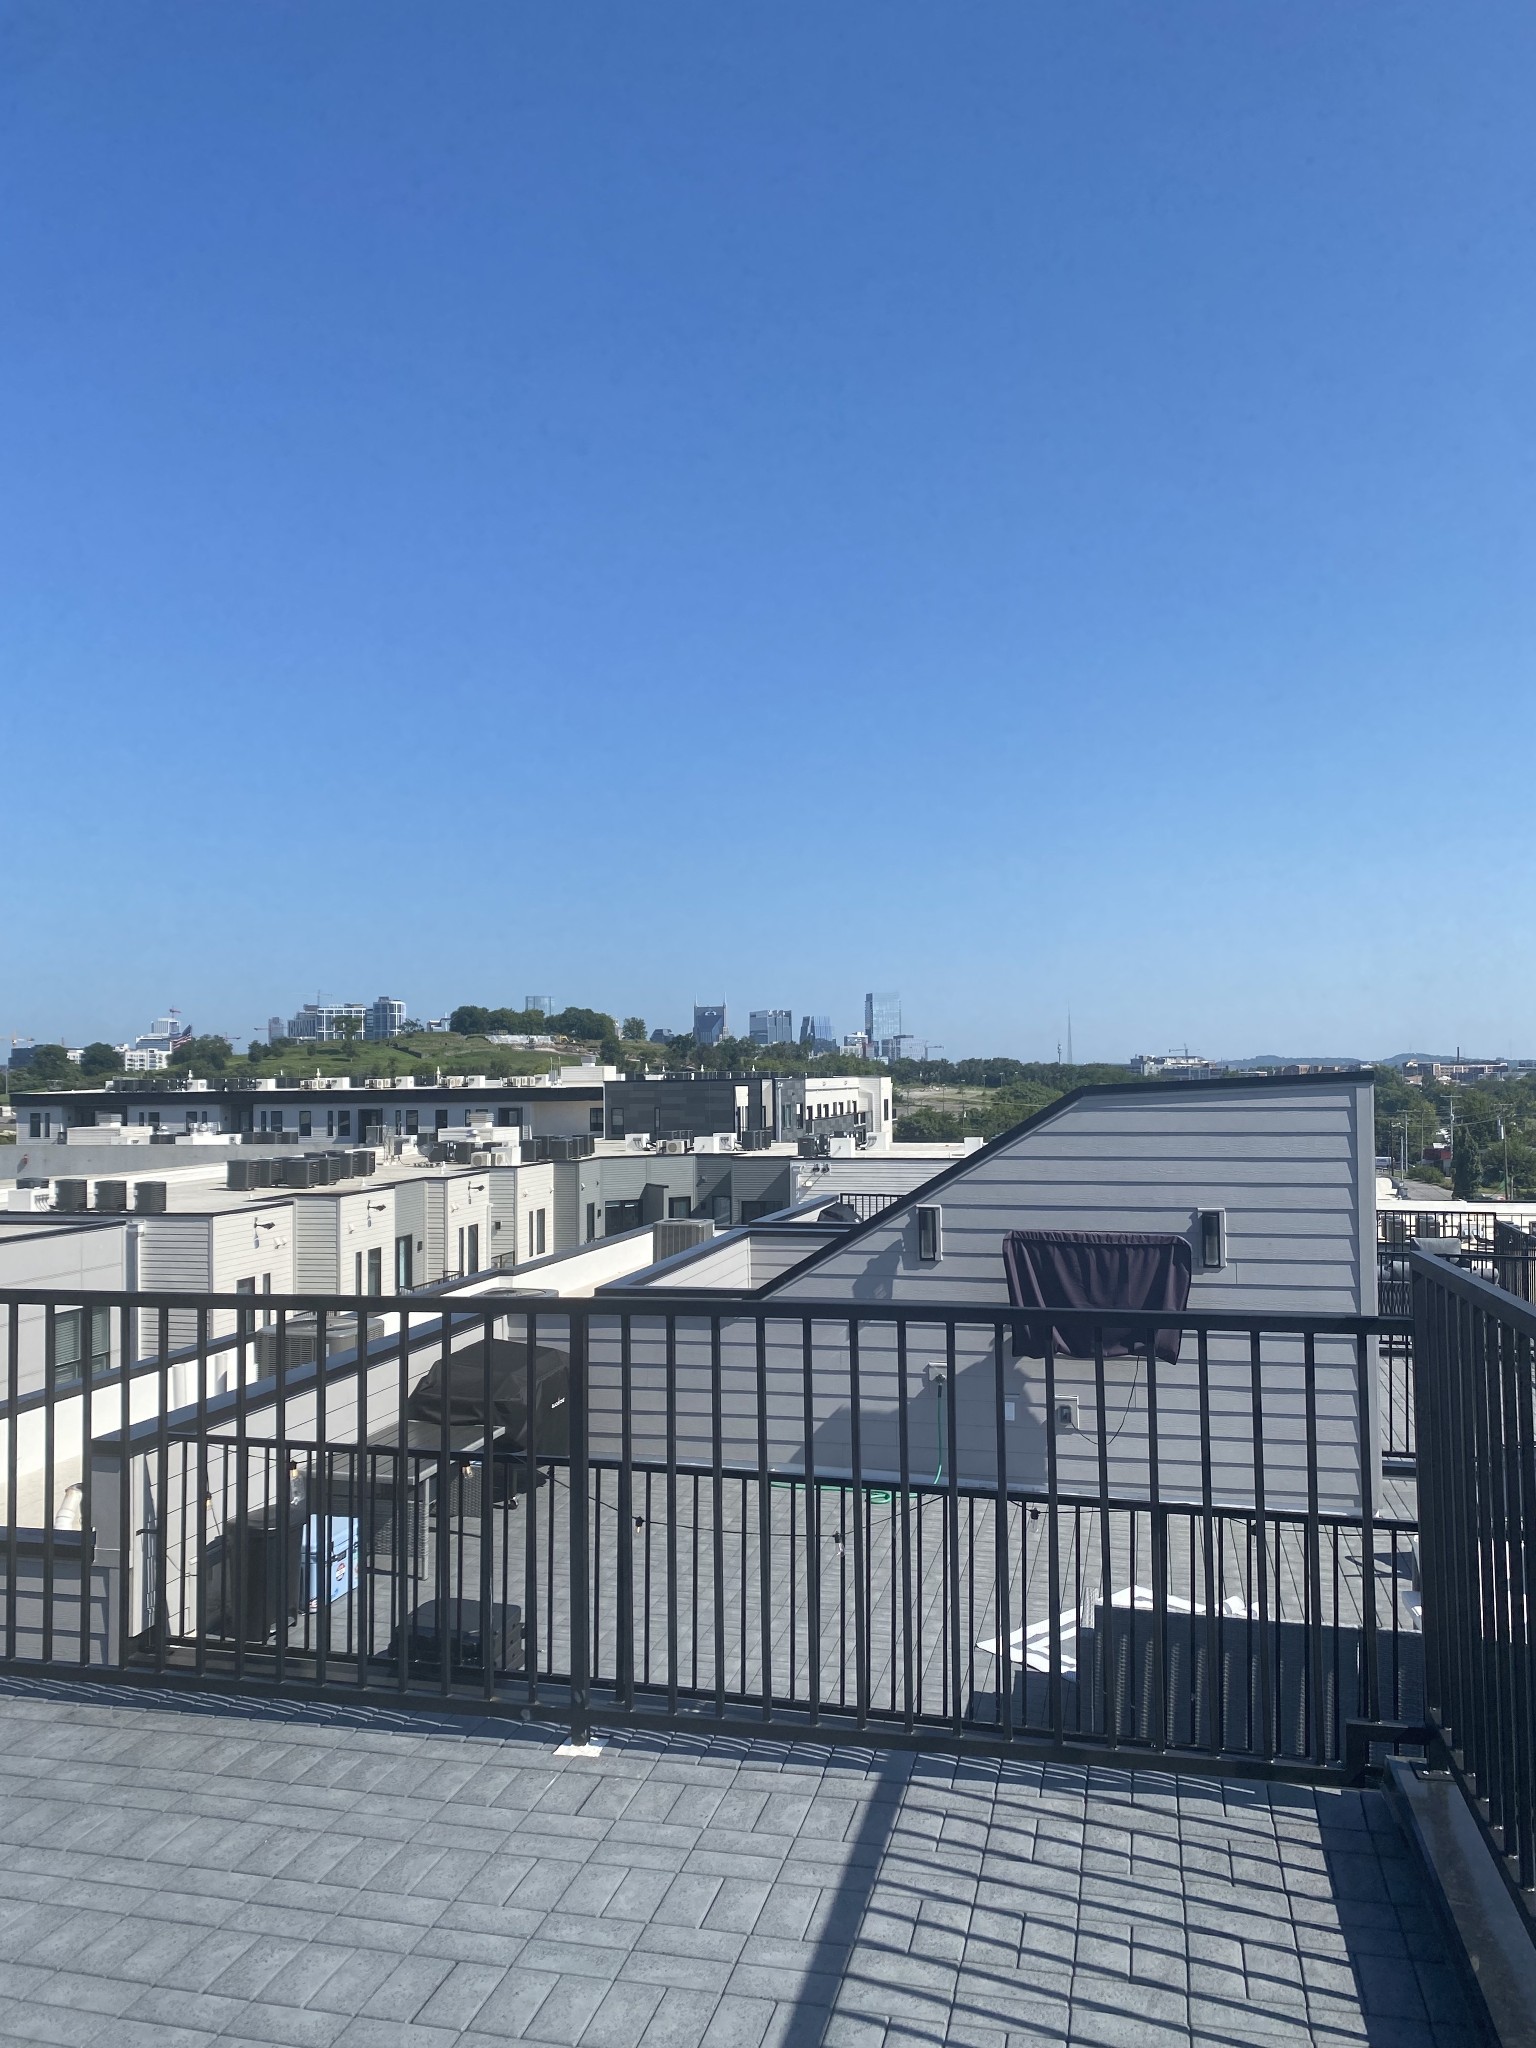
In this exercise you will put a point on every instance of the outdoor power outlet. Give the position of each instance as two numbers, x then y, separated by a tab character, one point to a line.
1066	1416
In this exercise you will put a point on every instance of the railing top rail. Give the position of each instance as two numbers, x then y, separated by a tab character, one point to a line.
706	1304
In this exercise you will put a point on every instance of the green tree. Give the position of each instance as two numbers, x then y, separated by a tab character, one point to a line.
50	1066
210	1055
632	1028
927	1127
1466	1170
587	1025
100	1059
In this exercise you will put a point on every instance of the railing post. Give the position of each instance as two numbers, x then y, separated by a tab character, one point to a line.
580	1576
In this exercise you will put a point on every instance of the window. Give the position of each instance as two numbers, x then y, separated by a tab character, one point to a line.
412	1122
539	1233
442	1119
591	1221
344	1123
508	1118
530	1233
35	1124
1213	1238
402	1264
277	1119
616	1123
73	1328
306	1124
461	1254
376	1270
357	1272
474	1249
595	1122
679	1205
330	1123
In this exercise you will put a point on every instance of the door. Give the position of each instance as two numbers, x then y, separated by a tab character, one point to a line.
474	1249
376	1270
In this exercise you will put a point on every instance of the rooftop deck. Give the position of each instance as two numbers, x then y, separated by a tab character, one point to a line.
179	1870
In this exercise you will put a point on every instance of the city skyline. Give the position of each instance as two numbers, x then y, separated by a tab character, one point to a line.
1458	1045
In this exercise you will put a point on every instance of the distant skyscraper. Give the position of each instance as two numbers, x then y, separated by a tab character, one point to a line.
816	1034
274	1027
708	1023
545	1005
882	1024
772	1027
386	1018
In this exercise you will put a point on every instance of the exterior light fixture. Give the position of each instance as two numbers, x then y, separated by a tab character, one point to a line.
930	1232
1213	1239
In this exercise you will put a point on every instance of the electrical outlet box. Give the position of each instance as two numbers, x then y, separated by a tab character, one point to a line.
1010	1411
1064	1414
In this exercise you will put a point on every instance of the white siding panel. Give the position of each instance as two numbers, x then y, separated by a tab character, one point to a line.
314	1246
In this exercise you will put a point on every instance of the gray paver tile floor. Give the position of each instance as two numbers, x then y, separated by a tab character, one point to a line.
176	1871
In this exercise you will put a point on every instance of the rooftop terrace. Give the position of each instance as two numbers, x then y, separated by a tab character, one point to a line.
180	1870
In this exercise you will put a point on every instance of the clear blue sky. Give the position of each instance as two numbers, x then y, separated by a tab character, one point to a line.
1025	504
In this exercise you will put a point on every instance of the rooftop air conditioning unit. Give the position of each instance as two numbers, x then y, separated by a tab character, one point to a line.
680	1234
149	1197
69	1196
112	1195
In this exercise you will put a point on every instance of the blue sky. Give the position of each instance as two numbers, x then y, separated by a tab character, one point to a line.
1030	505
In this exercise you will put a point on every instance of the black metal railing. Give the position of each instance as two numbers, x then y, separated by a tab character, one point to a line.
861	1521
1394	1300
1476	1350
1472	1226
868	1205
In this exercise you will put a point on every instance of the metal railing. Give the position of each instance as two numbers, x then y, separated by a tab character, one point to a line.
868	1205
859	1521
1476	1348
1399	1227
1505	1255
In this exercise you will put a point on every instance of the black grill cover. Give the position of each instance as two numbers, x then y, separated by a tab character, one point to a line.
1099	1271
465	1380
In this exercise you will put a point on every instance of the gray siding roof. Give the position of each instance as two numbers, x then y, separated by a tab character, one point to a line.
1286	1163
